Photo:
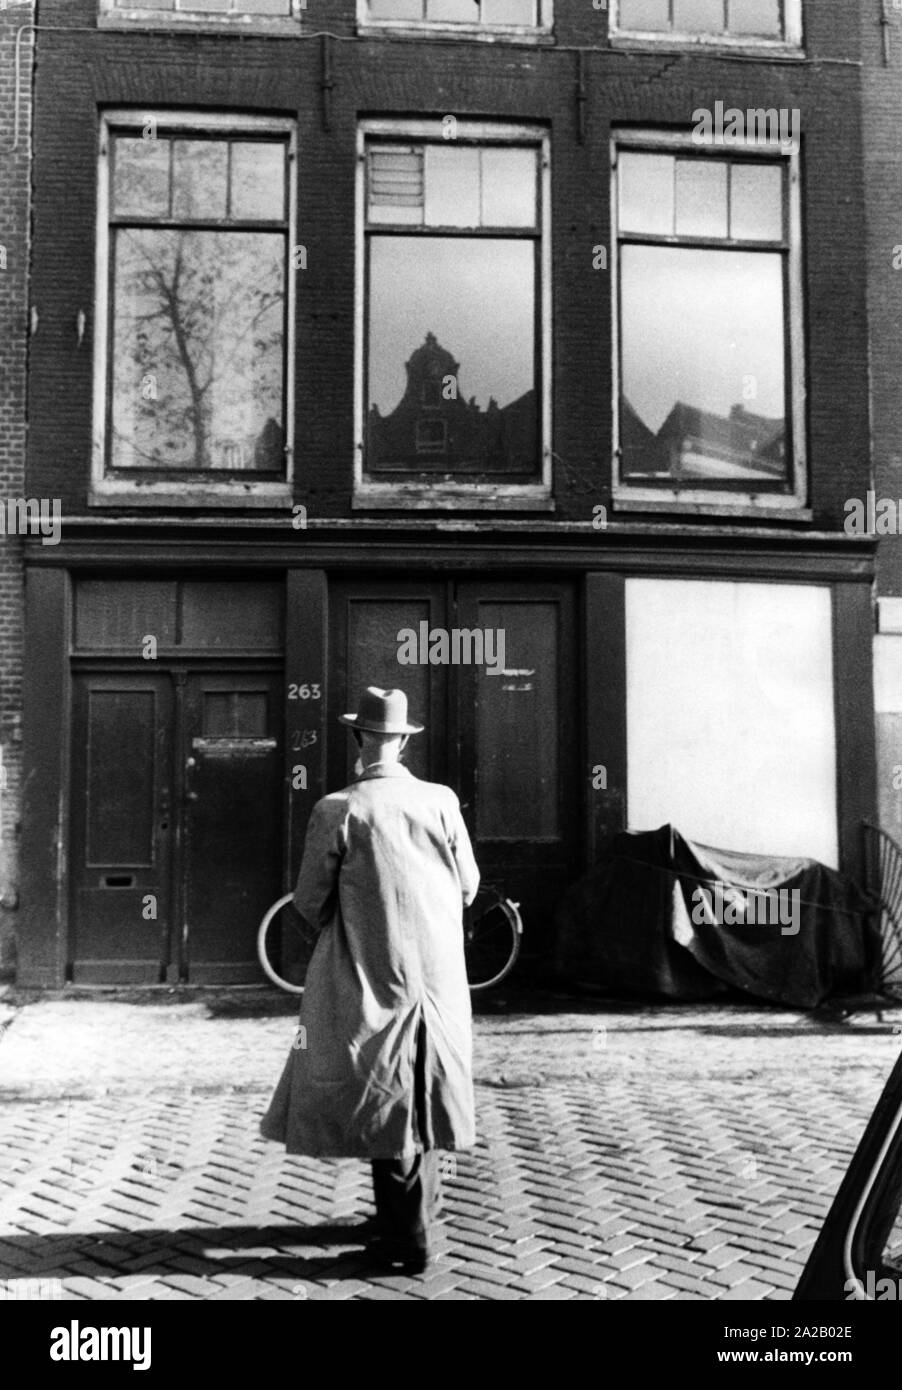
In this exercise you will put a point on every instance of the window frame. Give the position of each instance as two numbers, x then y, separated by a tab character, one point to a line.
190	487
429	493
136	15
791	42
542	32
772	505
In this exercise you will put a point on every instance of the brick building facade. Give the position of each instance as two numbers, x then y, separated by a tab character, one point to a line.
882	52
16	42
631	351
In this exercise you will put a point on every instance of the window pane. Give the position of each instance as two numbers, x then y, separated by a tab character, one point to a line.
218	714
645	14
453	11
452	186
756	202
198	349
140	177
509	12
703	390
698	16
396	184
258	180
235	714
755	17
701	197
646	193
396	9
509	188
451	337
199	178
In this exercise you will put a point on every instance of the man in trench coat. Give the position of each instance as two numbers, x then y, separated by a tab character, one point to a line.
384	1070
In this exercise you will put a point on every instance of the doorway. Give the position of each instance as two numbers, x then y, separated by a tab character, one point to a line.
176	822
507	742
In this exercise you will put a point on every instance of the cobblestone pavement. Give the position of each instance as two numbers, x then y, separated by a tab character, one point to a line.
679	1159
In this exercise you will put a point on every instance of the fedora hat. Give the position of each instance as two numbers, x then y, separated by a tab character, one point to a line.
382	712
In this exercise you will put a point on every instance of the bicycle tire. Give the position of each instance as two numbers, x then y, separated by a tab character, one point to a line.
262	946
508	933
474	950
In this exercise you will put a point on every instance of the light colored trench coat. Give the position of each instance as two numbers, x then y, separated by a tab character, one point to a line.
386	871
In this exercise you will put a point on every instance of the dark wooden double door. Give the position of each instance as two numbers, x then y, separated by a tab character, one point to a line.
176	822
506	742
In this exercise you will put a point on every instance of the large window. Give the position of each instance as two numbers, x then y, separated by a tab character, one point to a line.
708	326
454	318
469	15
197	267
729	21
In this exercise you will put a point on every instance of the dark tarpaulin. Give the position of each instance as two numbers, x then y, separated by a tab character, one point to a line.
648	920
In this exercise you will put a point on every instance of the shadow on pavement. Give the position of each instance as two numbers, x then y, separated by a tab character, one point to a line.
253	1251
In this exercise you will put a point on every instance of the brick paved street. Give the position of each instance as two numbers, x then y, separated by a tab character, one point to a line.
627	1154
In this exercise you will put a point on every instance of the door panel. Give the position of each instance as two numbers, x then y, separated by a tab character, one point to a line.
122	827
233	786
366	620
517	796
518	745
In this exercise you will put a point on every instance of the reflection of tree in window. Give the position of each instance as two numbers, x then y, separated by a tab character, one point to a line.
198	308
452	308
703	332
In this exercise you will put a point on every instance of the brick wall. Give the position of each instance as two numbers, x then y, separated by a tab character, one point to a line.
883	192
77	74
14	180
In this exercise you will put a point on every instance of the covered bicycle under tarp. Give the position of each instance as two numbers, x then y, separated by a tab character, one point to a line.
663	915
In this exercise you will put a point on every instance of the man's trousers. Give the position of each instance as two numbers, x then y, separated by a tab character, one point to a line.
407	1196
408	1190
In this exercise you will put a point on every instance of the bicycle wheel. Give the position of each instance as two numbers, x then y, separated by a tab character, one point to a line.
492	931
282	946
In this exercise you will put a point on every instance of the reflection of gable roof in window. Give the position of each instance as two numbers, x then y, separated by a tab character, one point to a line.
701	439
500	439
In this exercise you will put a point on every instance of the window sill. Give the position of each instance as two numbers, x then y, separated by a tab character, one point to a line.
128	495
774	509
695	43
404	497
406	29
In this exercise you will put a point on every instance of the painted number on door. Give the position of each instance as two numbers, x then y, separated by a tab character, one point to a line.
304	692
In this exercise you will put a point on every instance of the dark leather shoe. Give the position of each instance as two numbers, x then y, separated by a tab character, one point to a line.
399	1256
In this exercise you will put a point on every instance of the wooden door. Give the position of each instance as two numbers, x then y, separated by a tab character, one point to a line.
232	858
517	746
123	827
366	618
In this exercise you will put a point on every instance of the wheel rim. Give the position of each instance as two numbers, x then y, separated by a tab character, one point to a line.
268	946
491	945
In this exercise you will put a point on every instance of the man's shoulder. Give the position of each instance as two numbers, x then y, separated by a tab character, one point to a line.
410	787
333	805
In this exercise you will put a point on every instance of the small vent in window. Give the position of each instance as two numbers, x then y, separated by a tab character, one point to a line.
396	178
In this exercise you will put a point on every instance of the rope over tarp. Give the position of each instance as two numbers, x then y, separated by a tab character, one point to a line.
664	915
